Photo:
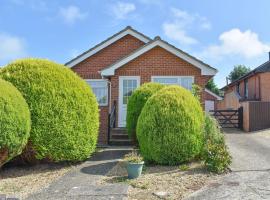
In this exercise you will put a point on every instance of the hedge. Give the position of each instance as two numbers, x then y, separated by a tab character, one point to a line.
14	122
169	128
63	108
136	103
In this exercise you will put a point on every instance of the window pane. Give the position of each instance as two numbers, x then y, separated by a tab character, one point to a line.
246	88
186	82
128	87
129	83
166	81
100	89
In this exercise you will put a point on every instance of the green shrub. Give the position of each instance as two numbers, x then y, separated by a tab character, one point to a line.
64	110
14	122
216	155
196	91
212	129
136	103
169	128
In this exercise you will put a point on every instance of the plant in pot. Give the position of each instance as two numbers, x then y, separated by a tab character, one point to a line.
134	164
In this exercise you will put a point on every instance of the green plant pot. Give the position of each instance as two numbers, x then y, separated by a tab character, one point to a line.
134	169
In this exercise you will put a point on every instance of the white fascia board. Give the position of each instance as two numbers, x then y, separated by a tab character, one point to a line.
205	70
213	94
107	43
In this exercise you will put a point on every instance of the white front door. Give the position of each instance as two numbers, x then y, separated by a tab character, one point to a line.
209	105
127	84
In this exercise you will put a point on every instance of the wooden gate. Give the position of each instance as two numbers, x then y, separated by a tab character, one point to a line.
229	118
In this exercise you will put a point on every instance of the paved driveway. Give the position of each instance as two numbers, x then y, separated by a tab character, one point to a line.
250	176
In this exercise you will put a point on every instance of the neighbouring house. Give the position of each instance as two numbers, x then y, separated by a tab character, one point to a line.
211	100
121	63
252	92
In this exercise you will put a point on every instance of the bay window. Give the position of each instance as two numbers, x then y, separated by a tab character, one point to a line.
184	81
100	89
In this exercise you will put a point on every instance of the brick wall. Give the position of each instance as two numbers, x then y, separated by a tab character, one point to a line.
90	67
265	86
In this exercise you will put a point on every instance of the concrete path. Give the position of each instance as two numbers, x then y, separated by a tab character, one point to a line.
250	176
80	183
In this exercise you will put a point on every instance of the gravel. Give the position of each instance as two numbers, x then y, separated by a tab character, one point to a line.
21	181
176	183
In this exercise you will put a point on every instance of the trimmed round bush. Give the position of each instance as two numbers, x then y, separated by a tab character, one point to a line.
64	110
169	128
136	103
14	122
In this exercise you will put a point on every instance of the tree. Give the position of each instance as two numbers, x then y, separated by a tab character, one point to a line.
238	71
211	85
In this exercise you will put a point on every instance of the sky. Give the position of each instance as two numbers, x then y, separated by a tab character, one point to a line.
221	33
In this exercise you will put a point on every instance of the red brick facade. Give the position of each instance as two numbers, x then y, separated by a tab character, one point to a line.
155	62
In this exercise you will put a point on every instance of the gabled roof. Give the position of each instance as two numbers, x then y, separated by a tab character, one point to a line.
213	94
265	67
127	31
205	69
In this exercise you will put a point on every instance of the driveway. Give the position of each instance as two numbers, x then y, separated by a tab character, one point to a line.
250	176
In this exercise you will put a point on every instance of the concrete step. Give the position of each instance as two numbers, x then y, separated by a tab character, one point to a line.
121	142
120	136
119	130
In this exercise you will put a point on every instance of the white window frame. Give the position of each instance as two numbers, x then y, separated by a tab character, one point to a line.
178	78
100	80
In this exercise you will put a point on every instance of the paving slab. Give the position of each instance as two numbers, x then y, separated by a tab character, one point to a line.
93	190
81	182
250	176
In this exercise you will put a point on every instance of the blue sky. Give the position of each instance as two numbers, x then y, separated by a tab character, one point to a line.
222	33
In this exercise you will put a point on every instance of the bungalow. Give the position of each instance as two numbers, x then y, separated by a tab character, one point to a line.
117	66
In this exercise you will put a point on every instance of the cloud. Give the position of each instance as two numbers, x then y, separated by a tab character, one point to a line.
71	14
11	47
175	32
122	10
181	23
237	43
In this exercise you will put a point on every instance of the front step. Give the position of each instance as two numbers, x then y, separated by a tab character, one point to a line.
119	137
117	142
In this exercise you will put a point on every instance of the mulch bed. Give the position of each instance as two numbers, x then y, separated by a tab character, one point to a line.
20	181
177	181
